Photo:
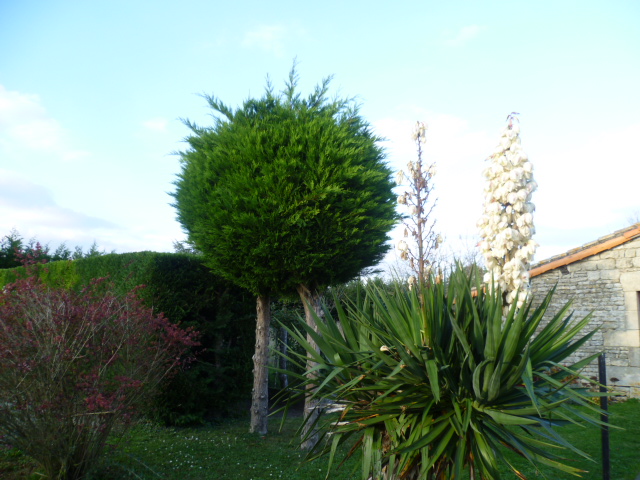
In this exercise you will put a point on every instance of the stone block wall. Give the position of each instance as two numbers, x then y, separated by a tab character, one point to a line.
607	285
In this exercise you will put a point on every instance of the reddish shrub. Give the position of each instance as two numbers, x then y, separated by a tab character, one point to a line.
74	365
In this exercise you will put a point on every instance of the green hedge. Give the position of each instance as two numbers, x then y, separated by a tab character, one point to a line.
180	286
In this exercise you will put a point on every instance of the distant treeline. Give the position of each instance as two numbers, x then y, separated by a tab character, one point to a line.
13	249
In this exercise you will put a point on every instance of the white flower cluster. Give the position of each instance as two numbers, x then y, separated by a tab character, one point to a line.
507	227
420	133
403	248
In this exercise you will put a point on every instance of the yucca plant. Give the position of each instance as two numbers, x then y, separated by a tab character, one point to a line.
433	383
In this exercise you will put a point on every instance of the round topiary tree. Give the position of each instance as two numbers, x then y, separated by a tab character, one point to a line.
285	194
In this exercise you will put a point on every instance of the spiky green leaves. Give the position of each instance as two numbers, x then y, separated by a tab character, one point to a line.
436	381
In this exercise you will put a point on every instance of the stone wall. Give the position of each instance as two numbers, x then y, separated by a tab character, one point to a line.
608	285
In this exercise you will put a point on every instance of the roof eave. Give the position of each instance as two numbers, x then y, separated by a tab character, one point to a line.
624	237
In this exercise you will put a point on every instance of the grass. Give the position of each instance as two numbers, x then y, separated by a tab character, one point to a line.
225	451
228	451
624	444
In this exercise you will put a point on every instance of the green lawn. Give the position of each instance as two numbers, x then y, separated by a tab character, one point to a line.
227	451
624	443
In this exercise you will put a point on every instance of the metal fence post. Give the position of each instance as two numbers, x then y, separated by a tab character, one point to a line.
604	417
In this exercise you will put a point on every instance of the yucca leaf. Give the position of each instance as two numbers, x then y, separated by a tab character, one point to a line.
518	369
375	419
439	448
367	454
558	465
434	381
529	448
332	453
485	454
477	381
460	457
495	381
334	372
528	411
512	340
588	418
508	419
527	379
432	432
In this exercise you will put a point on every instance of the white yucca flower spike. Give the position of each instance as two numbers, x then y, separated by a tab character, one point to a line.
416	200
506	226
420	132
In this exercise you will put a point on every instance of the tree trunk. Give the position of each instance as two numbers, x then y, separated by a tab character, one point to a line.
260	393
311	302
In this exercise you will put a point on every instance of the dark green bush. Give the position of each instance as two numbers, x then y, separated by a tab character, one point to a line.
180	286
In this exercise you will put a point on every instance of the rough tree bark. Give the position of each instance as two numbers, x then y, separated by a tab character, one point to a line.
311	300
260	392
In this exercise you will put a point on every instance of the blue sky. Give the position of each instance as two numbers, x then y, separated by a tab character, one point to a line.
91	96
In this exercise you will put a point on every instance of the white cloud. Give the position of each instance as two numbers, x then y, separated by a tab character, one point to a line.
33	211
589	181
16	107
157	124
25	126
269	38
463	35
17	192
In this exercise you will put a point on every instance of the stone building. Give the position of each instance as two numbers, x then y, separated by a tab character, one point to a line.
602	277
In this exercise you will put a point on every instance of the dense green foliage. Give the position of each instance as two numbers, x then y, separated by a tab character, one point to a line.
183	288
434	382
286	191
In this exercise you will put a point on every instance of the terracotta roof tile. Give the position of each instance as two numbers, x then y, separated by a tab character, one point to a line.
587	250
